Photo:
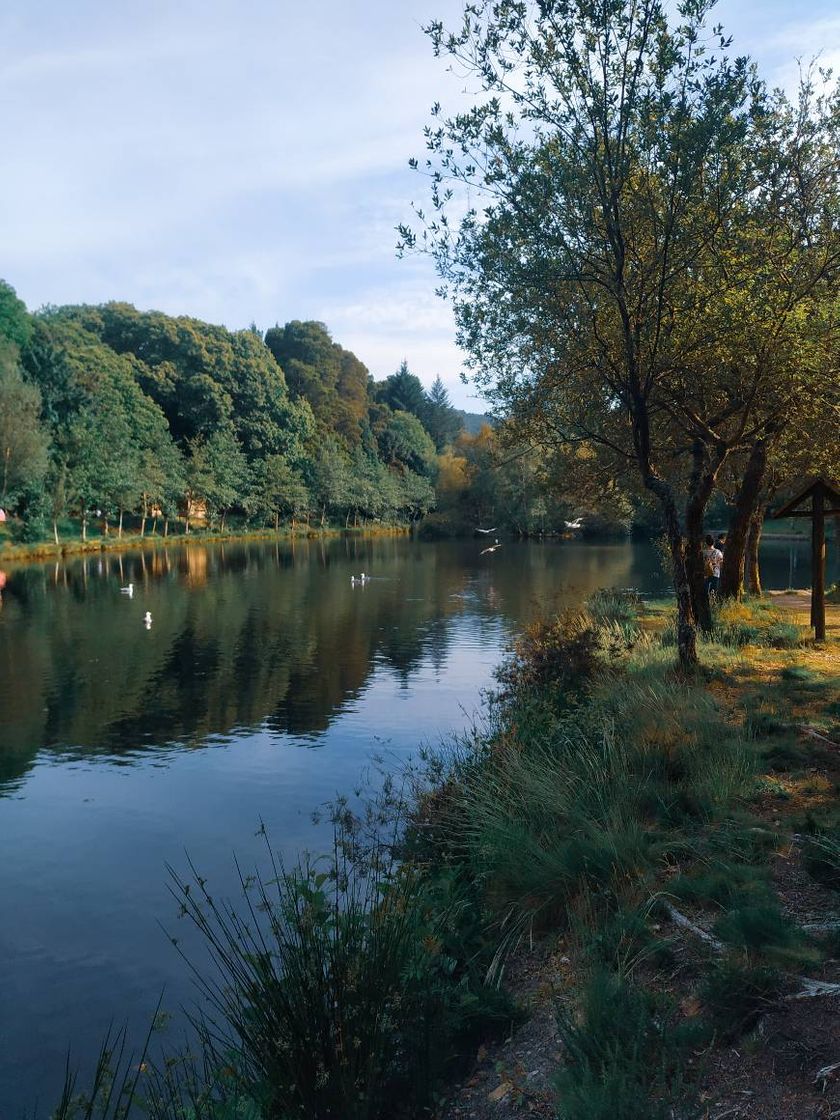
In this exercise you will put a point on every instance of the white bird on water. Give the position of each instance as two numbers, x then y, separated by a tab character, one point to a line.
129	591
362	580
147	620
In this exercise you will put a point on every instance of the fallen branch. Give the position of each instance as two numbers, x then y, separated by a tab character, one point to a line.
814	988
809	989
824	1075
816	735
681	920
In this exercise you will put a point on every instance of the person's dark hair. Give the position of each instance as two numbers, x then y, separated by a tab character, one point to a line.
709	540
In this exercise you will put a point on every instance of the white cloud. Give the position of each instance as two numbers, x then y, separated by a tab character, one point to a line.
247	160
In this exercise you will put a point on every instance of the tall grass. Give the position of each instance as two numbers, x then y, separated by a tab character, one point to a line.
597	797
338	992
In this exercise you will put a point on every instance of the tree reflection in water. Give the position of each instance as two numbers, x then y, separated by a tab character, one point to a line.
249	635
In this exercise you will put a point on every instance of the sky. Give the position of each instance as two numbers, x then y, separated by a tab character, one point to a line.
248	161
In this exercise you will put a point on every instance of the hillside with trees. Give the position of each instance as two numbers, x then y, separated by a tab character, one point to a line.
114	419
114	413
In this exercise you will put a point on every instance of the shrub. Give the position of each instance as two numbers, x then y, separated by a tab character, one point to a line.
622	1055
737	995
760	930
783	635
614	604
559	655
721	883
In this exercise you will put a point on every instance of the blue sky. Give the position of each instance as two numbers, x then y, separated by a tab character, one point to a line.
248	161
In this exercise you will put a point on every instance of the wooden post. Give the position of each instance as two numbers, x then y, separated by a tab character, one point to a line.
818	564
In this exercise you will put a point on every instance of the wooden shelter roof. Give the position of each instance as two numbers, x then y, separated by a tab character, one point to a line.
831	491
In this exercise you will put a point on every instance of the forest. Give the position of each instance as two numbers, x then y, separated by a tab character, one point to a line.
113	418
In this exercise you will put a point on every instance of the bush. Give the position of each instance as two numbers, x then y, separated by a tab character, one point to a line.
737	995
737	624
722	882
559	655
615	604
760	930
783	635
622	1055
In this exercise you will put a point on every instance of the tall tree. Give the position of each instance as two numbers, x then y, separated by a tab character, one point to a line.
613	151
442	420
403	392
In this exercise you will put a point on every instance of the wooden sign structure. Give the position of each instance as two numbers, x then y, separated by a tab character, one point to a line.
825	500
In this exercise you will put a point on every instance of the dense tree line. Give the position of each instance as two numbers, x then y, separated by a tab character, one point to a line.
117	412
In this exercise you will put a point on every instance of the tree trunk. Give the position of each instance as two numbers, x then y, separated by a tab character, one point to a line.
55	531
740	523
703	476
143	525
276	522
323	516
119	532
166	526
686	629
106	526
694	566
84	526
752	546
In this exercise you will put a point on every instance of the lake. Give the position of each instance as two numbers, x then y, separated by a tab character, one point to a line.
265	684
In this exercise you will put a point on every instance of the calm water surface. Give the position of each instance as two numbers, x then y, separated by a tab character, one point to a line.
265	685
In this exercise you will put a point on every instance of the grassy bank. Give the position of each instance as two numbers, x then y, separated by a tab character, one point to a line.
603	904
71	543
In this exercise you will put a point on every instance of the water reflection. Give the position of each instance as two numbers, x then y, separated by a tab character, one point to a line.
244	636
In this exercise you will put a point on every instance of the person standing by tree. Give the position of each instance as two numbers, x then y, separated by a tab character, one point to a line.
712	560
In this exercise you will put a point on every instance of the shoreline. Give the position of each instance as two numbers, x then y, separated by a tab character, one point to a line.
48	550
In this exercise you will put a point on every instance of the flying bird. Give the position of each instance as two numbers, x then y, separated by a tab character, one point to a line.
493	530
492	548
576	524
